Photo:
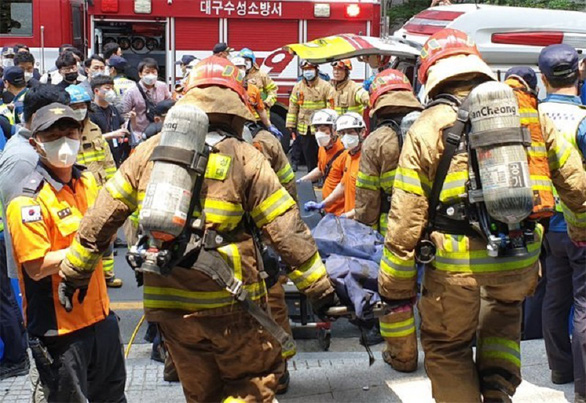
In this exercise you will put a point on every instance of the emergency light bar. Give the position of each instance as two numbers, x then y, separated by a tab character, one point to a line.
544	38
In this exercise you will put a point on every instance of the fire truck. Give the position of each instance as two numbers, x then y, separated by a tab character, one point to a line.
167	29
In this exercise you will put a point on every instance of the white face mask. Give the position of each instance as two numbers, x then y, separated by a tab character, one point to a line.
27	76
61	153
80	114
149	79
248	64
97	73
110	96
322	138
7	62
350	141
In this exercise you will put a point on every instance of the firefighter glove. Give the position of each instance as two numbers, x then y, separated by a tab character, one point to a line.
276	132
311	205
322	305
67	290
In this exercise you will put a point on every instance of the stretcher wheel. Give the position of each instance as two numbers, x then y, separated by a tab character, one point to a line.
324	338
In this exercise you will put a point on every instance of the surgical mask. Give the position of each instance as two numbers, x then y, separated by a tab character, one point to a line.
71	77
7	62
350	141
309	75
28	76
61	153
248	64
110	96
80	114
97	73
149	79
322	138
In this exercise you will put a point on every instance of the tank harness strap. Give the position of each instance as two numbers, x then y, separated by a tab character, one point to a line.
396	126
189	159
503	136
328	167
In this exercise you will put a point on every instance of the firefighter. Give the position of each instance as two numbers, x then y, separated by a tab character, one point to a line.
219	349
331	158
256	76
95	154
467	293
391	98
308	95
566	262
349	96
77	349
352	130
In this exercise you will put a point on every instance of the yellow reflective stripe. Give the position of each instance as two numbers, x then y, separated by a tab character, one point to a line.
574	219
272	207
314	104
110	171
227	215
454	186
92	156
397	267
82	258
478	261
288	353
309	272
397	329
496	347
537	149
174	298
120	189
382	224
356	108
528	116
365	181
541	182
455	243
108	263
557	156
387	179
231	255
286	174
412	181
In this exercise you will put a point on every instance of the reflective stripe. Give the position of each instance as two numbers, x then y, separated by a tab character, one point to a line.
478	261
288	353
92	156
411	181
382	224
541	182
557	156
108	263
496	347
82	258
272	207
396	267
364	181
227	215
286	174
528	116
574	219
398	329
455	243
120	189
386	181
454	186
174	298
110	171
537	150
231	255
354	108
309	272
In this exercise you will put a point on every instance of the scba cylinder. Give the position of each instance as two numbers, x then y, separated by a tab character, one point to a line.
169	192
498	140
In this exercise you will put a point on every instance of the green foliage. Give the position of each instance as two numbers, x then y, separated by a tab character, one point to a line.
551	4
399	13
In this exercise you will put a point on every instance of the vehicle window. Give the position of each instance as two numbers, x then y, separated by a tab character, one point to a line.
16	17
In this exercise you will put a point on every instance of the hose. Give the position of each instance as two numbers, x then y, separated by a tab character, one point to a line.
140	322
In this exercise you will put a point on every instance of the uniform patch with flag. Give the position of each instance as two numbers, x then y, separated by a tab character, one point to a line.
31	214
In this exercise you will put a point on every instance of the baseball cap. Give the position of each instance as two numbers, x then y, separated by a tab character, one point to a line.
222	47
185	59
15	76
558	61
117	62
526	73
48	115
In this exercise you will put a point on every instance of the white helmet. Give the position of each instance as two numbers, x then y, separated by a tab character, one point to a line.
350	120
238	61
324	117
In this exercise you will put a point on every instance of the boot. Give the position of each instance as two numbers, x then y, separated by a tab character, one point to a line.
401	349
373	336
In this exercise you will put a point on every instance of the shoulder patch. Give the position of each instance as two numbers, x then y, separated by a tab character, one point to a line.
64	213
30	214
218	166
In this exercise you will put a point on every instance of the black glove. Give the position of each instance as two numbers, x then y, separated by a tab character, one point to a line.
322	305
397	303
66	291
139	278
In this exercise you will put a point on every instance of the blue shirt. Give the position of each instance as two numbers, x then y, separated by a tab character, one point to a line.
583	93
17	161
557	223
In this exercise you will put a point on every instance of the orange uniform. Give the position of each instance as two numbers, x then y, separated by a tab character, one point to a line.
351	167
255	100
334	175
46	218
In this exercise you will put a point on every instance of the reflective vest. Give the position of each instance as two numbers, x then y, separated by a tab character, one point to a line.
566	118
541	185
122	84
5	110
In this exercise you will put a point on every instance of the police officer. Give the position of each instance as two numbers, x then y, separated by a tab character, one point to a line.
308	95
565	262
15	84
467	295
219	349
77	349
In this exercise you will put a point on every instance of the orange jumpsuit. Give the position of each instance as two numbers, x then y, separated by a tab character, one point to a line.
351	167
334	177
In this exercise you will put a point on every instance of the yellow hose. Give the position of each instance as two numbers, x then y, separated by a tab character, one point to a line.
133	336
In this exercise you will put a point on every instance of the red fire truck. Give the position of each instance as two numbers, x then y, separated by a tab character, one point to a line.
168	29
